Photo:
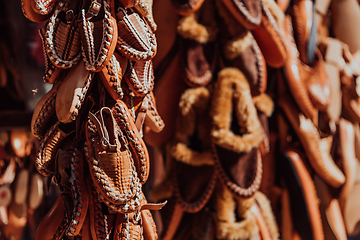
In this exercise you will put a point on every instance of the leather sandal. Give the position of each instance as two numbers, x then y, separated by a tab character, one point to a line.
139	77
317	148
246	12
44	115
241	50
33	14
72	92
62	37
309	85
112	75
305	29
110	162
136	40
234	218
194	173
303	198
270	39
235	152
153	119
98	33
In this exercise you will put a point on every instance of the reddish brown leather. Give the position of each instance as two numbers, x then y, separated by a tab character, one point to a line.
303	22
193	185
153	120
54	219
198	62
270	39
28	11
186	7
246	12
303	197
44	115
148	224
239	172
112	74
167	92
172	214
252	64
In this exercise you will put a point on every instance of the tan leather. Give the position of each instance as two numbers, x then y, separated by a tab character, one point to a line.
332	209
309	85
332	58
99	43
348	158
137	146
72	92
283	4
48	150
136	41
112	74
139	77
345	22
270	39
317	149
110	161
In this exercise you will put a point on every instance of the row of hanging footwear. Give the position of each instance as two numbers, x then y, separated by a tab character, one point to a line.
261	109
98	58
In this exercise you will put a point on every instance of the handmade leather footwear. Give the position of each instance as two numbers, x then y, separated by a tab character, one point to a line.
317	148
98	33
110	163
302	195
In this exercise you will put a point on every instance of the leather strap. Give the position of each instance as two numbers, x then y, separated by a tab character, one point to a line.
142	114
153	206
94	9
101	129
